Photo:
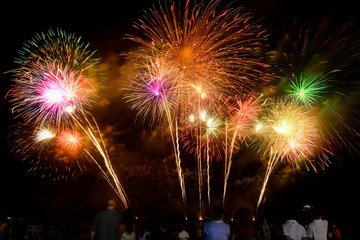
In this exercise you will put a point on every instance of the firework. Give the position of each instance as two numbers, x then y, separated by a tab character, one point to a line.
154	89
101	148
57	45
315	47
214	53
43	134
201	134
45	92
200	125
318	61
289	132
241	117
207	44
53	87
70	140
50	152
308	89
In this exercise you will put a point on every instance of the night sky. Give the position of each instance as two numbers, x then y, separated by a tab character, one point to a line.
141	154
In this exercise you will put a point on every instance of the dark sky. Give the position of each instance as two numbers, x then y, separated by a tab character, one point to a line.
151	183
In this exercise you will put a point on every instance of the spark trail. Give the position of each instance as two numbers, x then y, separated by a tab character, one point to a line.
100	146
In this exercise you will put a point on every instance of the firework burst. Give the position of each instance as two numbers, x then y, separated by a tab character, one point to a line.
45	92
308	89
318	61
153	90
290	132
43	134
70	140
207	44
55	155
58	45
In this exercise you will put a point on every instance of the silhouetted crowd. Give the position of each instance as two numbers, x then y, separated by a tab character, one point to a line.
306	223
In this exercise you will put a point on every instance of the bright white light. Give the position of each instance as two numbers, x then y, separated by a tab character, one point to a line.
258	127
281	129
43	134
192	118
203	115
70	109
54	94
210	122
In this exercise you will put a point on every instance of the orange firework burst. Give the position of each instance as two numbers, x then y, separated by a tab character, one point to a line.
46	152
70	140
209	46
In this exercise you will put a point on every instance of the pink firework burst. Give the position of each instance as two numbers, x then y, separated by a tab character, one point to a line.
48	91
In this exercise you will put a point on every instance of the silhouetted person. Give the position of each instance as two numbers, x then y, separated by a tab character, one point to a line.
263	230
318	228
127	229
106	223
198	231
216	228
245	229
292	230
183	234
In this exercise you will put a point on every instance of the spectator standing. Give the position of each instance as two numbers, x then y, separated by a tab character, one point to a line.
127	229
262	230
198	231
245	229
292	230
106	223
217	229
318	228
336	233
183	234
